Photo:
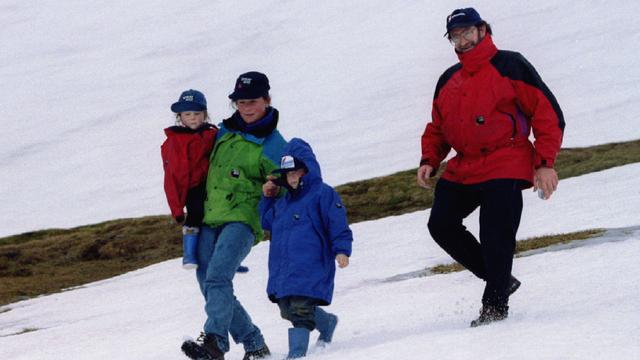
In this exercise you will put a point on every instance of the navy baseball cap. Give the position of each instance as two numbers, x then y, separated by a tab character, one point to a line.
462	18
251	85
190	100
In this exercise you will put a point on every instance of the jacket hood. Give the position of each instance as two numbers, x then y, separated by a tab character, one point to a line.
301	150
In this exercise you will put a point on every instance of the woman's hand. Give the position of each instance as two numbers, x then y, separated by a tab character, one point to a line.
270	189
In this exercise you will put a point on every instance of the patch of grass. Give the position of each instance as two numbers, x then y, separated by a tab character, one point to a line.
47	261
398	193
56	259
529	244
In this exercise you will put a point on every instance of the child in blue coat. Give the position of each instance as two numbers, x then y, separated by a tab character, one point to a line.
309	230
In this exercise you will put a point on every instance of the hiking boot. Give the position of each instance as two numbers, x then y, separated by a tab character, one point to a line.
489	314
513	286
204	348
257	354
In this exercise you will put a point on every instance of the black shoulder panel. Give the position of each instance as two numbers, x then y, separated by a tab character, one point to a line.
445	77
514	66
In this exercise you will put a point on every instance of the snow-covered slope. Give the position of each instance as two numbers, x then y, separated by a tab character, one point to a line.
87	87
579	303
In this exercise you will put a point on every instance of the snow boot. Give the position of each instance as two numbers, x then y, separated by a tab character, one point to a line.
298	342
489	314
189	247
257	354
513	286
205	348
326	325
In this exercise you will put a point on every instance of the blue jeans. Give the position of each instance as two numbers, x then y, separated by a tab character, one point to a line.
220	252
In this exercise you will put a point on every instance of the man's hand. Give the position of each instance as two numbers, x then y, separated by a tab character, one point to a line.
424	173
270	189
546	179
343	260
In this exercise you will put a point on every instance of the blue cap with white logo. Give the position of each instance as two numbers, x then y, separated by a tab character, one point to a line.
289	163
190	100
463	18
250	85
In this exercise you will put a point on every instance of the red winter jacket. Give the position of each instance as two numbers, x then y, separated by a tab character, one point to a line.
484	108
185	156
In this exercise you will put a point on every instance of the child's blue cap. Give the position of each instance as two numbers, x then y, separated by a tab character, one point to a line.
190	100
288	163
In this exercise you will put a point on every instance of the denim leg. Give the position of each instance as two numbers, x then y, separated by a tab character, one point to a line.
500	214
220	251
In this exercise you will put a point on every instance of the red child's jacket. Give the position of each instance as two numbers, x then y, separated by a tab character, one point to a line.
185	157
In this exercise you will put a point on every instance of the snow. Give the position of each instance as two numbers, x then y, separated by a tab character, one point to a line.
576	303
86	93
87	89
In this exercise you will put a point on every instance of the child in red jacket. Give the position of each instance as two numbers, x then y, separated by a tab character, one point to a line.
185	155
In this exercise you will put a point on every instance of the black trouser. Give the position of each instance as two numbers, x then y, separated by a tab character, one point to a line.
300	310
195	205
491	259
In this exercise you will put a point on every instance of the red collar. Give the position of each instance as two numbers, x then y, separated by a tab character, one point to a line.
475	58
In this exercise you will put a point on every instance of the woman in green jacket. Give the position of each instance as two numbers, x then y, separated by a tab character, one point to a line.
248	148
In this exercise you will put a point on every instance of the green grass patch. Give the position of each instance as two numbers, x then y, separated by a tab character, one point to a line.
398	193
47	261
535	243
51	260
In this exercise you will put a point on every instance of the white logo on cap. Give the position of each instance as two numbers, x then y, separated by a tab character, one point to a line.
287	162
456	15
246	80
187	98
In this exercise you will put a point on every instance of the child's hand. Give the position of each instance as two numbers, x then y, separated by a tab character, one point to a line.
343	260
270	189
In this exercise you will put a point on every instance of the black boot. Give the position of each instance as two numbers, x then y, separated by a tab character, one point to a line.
205	348
489	314
513	286
257	354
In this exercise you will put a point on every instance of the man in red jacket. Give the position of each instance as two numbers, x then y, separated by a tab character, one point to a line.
484	108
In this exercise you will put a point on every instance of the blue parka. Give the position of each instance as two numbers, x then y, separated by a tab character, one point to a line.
308	229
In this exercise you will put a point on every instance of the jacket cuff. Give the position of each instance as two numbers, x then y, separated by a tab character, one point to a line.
544	162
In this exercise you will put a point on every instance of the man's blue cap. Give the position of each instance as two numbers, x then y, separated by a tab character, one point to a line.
190	100
462	18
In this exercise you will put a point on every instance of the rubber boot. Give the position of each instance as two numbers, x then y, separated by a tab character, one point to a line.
189	247
298	342
326	325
